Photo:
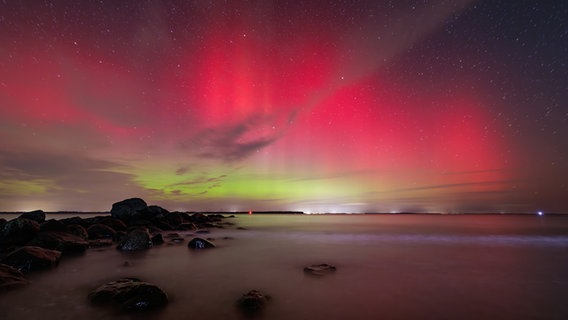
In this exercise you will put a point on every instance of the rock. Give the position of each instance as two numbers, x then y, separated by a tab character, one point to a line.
99	243
187	226
157	239
161	224
126	209
18	231
11	277
37	216
135	240
154	211
31	258
200	243
115	224
173	218
319	269
78	230
75	220
53	225
130	295
65	242
252	301
100	231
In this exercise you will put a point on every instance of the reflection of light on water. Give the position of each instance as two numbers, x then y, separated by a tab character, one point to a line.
374	239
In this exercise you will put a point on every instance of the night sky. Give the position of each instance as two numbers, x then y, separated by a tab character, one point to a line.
320	106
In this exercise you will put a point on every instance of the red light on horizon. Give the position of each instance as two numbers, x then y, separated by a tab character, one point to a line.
250	212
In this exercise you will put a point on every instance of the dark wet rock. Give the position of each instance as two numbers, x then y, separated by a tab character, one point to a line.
252	302
218	217
200	243
128	208
187	226
119	235
161	224
75	220
78	230
157	239
37	216
154	211
100	231
53	225
172	235
2	222
319	269
31	258
115	224
173	218
199	218
65	242
11	278
99	243
136	240
129	295
18	231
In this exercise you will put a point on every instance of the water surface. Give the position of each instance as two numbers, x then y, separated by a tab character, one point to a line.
388	267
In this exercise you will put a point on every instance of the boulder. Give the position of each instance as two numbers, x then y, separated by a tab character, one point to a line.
65	242
126	209
157	239
129	294
100	231
135	240
11	277
18	231
75	220
31	258
53	225
116	224
252	301
37	216
319	269
200	243
154	211
173	218
79	231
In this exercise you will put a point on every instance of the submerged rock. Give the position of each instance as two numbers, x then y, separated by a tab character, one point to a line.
252	301
135	240
31	258
11	277
129	294
319	269
200	243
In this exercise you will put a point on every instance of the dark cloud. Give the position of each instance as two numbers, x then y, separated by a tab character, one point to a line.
237	141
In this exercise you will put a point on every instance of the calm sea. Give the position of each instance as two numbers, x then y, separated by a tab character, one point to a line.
388	267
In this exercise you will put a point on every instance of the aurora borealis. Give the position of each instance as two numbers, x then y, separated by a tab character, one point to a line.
320	106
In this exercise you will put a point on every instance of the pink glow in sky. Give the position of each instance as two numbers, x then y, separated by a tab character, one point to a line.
324	106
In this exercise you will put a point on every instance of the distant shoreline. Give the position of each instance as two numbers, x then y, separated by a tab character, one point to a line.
306	213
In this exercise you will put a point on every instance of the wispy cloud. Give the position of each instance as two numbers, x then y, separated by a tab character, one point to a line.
236	141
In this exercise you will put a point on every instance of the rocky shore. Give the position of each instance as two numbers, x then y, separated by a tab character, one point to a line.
30	243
